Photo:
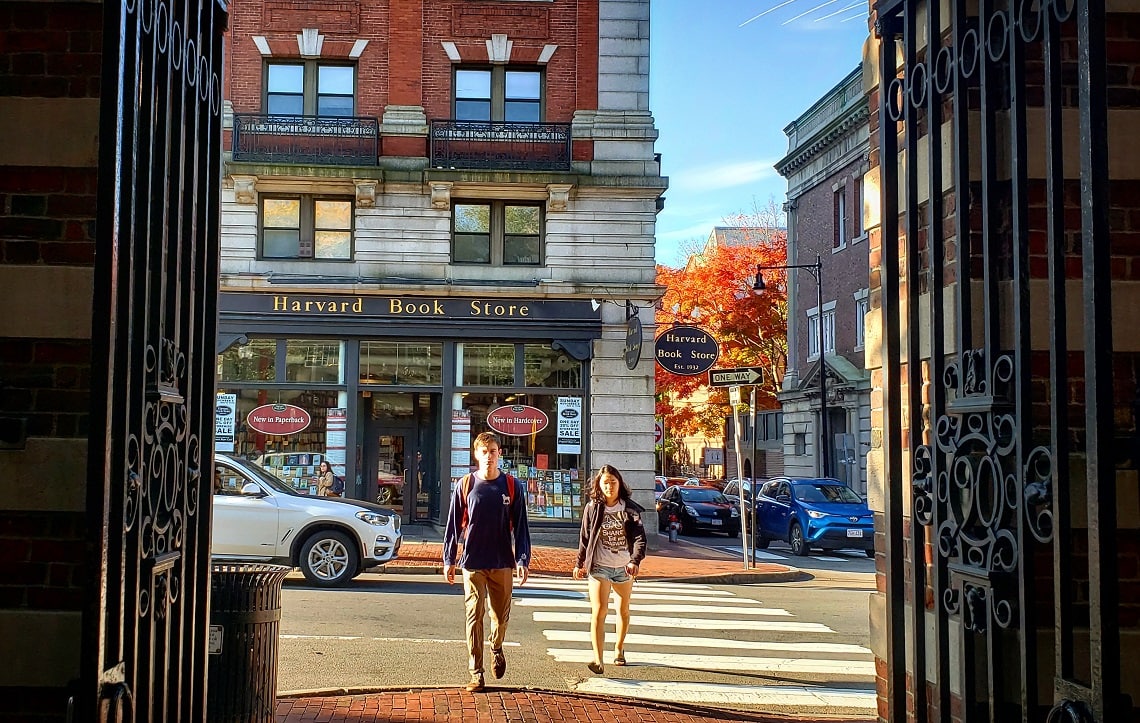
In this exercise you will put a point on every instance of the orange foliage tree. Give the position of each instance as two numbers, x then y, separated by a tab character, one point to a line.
714	291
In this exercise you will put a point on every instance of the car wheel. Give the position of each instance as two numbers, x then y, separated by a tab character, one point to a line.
329	558
870	553
796	538
384	496
761	542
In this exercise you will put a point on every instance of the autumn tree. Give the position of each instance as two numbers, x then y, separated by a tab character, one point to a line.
714	291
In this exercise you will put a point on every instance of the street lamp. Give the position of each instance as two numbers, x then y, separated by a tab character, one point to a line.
816	271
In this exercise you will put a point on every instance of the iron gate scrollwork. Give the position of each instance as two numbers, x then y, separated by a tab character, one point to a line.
154	323
985	401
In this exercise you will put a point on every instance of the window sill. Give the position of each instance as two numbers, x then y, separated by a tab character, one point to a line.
859	239
837	249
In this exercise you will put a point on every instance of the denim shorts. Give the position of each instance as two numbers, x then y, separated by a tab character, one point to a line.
613	574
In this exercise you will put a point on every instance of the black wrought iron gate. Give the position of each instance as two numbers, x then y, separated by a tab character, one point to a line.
1002	596
153	340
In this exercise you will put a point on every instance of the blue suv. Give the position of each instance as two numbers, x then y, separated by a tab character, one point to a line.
813	512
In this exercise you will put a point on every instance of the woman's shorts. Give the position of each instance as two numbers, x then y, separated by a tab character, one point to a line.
613	574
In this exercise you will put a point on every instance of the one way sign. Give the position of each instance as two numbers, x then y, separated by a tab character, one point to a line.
730	377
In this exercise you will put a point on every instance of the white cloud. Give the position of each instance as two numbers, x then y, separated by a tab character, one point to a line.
712	178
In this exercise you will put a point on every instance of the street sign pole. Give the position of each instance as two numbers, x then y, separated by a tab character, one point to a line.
734	400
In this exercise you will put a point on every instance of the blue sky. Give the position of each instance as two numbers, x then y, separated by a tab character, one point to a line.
723	85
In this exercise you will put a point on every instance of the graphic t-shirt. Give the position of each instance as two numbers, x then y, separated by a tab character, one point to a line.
613	550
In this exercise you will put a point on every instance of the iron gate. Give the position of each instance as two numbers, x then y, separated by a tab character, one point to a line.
153	333
981	408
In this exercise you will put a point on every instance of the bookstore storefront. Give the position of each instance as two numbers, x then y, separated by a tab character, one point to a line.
390	390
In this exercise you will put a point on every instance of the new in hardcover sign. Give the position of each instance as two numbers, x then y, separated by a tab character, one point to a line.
517	420
569	425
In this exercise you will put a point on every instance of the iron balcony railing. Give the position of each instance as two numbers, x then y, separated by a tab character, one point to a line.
336	141
500	145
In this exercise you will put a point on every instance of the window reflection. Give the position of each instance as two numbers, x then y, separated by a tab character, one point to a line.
312	361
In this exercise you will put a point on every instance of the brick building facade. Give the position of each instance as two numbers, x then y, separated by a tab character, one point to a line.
473	186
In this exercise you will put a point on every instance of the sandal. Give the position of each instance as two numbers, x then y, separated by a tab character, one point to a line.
619	659
596	668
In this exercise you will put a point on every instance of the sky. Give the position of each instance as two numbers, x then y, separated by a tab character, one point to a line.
726	77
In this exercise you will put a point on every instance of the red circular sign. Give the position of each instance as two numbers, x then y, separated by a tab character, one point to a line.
278	419
517	420
658	433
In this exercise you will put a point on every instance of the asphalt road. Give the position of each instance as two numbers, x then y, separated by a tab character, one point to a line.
743	646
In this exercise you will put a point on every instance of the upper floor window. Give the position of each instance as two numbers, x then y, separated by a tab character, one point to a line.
828	331
862	306
486	94
857	211
498	233
306	227
839	220
310	89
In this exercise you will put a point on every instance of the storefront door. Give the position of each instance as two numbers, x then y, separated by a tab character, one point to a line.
399	454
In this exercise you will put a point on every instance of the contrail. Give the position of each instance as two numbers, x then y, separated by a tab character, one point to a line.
809	12
842	10
757	17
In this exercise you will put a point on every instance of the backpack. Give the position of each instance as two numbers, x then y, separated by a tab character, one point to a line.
337	485
467	481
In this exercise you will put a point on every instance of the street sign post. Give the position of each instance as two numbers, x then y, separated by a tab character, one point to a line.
732	377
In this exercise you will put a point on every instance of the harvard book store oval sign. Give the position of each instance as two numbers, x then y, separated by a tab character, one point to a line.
517	420
278	419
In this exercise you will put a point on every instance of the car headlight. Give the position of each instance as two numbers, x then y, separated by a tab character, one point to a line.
374	518
734	512
815	515
691	511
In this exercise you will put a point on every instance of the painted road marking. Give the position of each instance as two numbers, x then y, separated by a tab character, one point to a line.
575	595
798	697
816	666
659	641
677	623
564	584
665	608
285	636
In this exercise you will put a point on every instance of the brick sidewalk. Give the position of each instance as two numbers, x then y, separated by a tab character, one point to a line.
505	704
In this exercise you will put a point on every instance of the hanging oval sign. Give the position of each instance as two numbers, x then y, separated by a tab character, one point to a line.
278	419
686	350
517	420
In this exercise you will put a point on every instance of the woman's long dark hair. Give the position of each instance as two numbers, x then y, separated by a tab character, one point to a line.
594	491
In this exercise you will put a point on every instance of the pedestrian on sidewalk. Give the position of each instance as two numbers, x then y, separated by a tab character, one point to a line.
611	548
488	514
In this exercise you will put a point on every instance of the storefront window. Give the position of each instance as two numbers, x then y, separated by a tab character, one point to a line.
309	360
548	460
252	362
546	367
395	362
292	457
487	365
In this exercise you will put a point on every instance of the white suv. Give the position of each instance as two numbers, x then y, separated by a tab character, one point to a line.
257	517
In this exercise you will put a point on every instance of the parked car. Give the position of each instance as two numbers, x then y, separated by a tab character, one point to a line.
258	517
733	486
698	508
658	487
813	512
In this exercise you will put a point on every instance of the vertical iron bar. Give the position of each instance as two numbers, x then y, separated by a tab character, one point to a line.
936	241
1023	365
912	290
892	402
1104	633
1059	436
824	425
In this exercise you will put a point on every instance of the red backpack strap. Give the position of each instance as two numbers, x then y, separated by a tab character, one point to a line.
465	483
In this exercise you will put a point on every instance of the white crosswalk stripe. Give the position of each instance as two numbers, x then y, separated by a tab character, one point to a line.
728	635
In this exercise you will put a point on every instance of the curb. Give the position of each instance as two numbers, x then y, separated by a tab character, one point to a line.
697	711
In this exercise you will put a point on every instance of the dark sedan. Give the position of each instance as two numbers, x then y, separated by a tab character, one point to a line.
698	508
813	512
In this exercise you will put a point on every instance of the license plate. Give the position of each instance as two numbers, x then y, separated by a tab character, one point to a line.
854	533
717	522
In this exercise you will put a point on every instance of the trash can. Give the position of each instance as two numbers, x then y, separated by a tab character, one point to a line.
245	611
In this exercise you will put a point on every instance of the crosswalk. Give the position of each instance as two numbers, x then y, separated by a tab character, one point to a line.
714	633
786	556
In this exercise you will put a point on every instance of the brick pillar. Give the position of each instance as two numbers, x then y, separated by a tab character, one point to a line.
404	127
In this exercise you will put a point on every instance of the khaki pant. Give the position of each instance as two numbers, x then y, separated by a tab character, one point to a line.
479	587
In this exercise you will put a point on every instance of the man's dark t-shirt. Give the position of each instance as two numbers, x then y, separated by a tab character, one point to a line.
488	539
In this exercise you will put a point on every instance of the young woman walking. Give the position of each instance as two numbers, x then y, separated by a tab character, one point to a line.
610	550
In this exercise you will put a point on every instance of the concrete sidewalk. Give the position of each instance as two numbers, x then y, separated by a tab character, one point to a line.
421	553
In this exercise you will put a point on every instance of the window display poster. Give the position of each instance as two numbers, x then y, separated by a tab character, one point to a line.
460	443
336	434
569	425
225	419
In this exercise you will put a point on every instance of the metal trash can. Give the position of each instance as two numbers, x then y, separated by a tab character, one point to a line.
245	611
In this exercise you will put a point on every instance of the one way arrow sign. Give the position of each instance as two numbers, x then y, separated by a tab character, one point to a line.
730	377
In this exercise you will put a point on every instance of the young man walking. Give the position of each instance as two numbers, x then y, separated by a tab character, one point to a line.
489	517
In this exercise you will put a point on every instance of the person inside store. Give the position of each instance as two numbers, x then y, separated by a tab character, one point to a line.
488	515
610	550
325	480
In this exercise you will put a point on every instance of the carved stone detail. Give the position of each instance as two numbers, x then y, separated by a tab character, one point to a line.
441	195
558	196
309	42
365	193
245	190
